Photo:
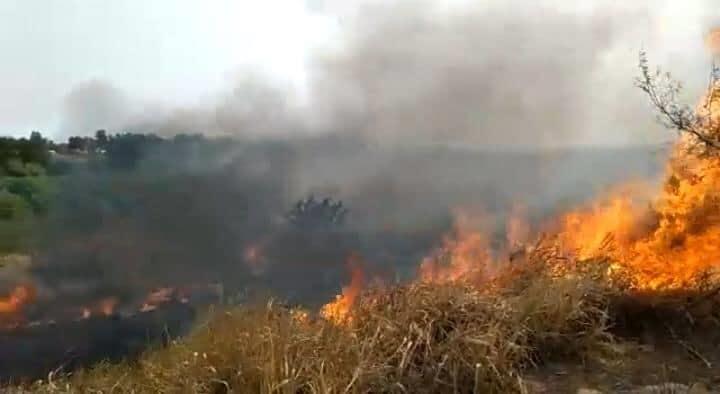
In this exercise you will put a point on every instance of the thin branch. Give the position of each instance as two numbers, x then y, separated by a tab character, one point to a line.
663	93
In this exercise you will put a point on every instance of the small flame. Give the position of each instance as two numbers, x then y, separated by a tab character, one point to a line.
107	306
338	311
19	297
465	254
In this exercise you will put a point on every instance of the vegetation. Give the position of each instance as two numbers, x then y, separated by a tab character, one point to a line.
32	170
420	337
310	214
488	335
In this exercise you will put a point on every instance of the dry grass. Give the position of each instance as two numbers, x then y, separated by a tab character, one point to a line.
417	338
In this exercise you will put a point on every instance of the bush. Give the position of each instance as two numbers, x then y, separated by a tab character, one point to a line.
36	192
12	206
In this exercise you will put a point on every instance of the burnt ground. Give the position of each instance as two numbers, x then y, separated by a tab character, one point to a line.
32	352
650	360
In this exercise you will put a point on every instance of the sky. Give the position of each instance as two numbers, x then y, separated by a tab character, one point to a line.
172	51
59	56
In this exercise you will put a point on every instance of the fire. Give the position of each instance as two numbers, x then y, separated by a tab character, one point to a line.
106	307
657	238
339	310
465	254
19	296
617	219
11	306
666	239
518	228
674	240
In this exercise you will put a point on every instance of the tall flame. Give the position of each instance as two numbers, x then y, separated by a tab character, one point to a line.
664	240
659	239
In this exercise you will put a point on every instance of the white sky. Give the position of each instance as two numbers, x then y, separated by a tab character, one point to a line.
175	51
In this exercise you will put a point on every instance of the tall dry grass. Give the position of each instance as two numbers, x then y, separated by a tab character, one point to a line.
419	338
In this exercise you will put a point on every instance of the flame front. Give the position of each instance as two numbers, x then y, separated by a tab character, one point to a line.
338	311
657	238
465	254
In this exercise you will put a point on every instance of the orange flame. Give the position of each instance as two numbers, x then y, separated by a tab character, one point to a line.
665	239
338	311
465	254
105	307
19	296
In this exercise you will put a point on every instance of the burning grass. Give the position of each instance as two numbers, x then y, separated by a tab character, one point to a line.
623	269
416	338
420	337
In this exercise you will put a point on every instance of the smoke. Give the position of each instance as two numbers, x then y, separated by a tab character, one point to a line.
420	108
500	75
507	74
94	105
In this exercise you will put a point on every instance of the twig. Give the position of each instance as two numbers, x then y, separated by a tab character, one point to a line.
689	348
694	352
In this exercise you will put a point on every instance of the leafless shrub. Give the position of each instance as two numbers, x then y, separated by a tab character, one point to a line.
702	124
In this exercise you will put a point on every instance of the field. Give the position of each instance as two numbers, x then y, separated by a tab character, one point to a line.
525	332
615	296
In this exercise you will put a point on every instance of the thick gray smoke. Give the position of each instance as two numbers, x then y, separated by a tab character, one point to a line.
545	73
498	75
375	128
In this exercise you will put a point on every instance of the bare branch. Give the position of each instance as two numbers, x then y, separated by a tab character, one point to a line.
663	92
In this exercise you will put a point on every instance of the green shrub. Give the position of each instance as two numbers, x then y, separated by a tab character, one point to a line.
36	192
12	206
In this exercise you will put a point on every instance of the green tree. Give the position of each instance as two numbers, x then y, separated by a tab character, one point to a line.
101	139
76	143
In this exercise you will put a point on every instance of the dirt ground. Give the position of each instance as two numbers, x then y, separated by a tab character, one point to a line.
670	366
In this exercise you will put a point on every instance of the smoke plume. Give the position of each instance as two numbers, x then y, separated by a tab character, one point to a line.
549	73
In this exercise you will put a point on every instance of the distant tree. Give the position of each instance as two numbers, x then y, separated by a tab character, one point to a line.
36	150
76	143
312	214
36	138
123	151
101	139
